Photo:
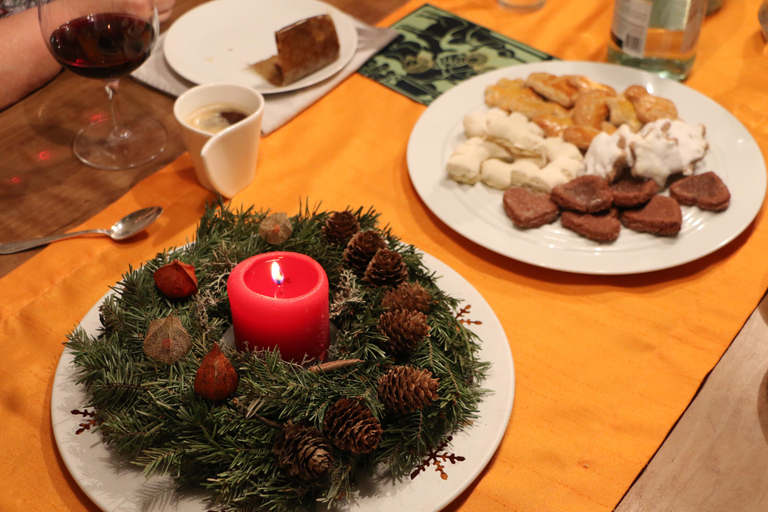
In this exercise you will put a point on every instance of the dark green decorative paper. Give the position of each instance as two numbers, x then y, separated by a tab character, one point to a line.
437	50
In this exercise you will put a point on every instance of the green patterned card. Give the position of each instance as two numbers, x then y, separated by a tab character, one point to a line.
437	50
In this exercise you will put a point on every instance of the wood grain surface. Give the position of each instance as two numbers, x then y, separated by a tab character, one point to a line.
44	188
716	457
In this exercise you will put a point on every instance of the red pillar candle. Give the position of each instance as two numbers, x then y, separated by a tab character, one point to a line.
291	315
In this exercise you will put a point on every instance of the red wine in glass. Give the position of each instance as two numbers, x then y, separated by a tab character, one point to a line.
104	46
106	40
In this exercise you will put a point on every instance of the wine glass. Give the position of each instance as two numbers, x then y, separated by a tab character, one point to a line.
106	39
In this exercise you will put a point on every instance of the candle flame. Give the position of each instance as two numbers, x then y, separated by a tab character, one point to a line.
277	273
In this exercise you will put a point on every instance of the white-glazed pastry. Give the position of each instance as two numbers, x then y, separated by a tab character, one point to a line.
690	138
668	147
609	154
656	157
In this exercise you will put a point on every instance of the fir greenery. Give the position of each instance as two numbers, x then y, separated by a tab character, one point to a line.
150	412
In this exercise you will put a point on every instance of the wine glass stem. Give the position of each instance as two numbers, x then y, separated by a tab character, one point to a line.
118	131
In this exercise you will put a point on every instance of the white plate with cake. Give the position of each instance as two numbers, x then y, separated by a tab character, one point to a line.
477	213
221	41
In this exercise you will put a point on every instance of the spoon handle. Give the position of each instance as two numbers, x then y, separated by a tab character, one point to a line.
23	245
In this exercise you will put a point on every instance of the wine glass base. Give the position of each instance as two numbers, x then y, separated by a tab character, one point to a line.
142	139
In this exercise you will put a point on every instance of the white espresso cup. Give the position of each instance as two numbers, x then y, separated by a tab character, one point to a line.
225	162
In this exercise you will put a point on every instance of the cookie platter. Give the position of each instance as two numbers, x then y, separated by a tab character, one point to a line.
477	213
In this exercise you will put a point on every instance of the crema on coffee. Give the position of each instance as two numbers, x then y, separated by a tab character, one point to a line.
215	118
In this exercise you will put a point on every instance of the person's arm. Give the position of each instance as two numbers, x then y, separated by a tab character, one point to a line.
25	62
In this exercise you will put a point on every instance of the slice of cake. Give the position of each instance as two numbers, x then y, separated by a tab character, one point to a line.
302	48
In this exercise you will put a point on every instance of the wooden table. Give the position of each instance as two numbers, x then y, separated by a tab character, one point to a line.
38	167
716	458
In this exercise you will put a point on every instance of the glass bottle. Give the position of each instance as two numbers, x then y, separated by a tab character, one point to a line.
659	36
713	6
762	18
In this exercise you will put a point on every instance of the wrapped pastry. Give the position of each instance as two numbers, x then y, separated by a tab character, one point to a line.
464	163
516	134
302	48
476	123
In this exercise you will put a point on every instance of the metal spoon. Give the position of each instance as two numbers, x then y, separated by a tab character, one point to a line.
124	228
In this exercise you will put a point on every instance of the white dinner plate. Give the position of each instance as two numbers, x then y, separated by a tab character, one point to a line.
114	485
218	41
476	212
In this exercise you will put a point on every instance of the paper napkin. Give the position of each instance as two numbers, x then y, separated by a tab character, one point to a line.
279	108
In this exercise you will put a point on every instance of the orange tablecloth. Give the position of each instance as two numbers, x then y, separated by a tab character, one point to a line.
604	365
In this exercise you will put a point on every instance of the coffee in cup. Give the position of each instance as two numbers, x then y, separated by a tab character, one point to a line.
221	128
214	118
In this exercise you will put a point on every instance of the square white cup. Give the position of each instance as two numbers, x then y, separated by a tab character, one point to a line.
224	162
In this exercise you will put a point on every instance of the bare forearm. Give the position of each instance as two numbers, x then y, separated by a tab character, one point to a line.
25	63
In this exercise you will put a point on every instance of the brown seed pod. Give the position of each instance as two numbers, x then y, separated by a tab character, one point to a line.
216	378
176	279
276	228
166	341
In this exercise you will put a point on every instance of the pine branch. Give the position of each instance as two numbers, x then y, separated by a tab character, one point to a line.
150	412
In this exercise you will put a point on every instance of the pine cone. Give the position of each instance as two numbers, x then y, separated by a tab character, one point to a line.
351	427
410	296
340	227
361	249
303	451
404	330
386	268
405	389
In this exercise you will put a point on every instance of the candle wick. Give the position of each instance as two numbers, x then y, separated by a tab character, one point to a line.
279	292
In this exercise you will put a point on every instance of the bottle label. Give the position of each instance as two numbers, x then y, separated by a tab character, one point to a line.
631	19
